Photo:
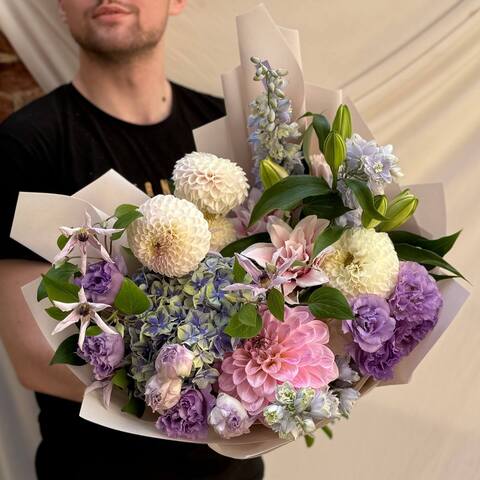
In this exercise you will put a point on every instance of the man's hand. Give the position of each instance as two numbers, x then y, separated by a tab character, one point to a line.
26	346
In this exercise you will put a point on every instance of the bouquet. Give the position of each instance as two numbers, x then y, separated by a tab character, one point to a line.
253	305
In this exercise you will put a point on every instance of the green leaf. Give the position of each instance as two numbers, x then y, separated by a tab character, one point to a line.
61	273
62	241
60	291
237	329
240	245
342	124
93	331
335	152
124	221
309	440
134	406
322	129
329	236
120	379
328	432
365	198
123	209
328	302
306	140
438	277
276	304
441	246
329	206
131	300
238	272
247	315
56	313
425	257
287	194
66	352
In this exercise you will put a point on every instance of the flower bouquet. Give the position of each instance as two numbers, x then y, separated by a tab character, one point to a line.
266	295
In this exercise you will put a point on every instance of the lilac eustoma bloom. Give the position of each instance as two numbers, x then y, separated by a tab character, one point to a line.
82	237
262	280
83	311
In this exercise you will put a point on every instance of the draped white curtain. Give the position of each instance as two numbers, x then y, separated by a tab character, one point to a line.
413	68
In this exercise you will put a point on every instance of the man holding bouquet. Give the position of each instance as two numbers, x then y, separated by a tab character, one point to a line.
120	112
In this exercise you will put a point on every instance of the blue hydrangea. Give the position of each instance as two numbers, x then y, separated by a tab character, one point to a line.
192	310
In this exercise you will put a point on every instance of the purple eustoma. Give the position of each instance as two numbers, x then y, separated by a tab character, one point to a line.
229	417
415	304
102	280
81	237
373	325
188	418
104	352
416	297
84	312
174	361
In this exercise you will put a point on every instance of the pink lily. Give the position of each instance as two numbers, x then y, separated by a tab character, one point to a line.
82	237
297	243
82	311
262	280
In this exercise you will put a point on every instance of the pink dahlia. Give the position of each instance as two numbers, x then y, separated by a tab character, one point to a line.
294	350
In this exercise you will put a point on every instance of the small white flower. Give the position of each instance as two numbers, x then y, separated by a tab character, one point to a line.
215	185
84	312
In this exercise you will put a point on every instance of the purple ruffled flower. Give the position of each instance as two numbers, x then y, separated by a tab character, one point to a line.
104	352
415	304
416	297
102	281
188	418
373	325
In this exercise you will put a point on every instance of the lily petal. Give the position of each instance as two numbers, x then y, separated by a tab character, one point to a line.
260	252
279	231
311	278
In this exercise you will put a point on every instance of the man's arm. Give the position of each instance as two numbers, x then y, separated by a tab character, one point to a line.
26	346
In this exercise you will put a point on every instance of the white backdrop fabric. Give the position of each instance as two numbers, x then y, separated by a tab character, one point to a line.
413	69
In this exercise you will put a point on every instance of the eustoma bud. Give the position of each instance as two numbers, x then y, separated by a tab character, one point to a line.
271	172
174	361
399	211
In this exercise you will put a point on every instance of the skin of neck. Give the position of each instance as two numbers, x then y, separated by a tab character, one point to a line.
133	89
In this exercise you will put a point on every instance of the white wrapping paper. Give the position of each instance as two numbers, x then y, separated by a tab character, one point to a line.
39	215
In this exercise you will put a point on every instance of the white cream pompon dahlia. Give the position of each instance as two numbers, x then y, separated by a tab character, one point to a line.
215	185
364	261
223	232
171	238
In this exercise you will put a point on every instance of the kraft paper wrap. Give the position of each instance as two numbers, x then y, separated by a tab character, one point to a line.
38	216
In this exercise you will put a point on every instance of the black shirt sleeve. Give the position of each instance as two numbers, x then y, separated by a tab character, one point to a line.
20	172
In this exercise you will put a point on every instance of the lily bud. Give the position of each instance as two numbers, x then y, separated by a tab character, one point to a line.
381	204
271	172
399	211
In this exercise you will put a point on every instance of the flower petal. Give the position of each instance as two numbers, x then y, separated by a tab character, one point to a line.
70	319
260	252
107	329
66	307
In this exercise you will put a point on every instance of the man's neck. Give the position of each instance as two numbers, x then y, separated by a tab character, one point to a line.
136	91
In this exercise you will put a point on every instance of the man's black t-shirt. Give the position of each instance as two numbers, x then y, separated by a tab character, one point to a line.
58	144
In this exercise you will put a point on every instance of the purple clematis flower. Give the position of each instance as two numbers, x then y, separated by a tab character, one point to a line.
82	237
262	280
85	312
